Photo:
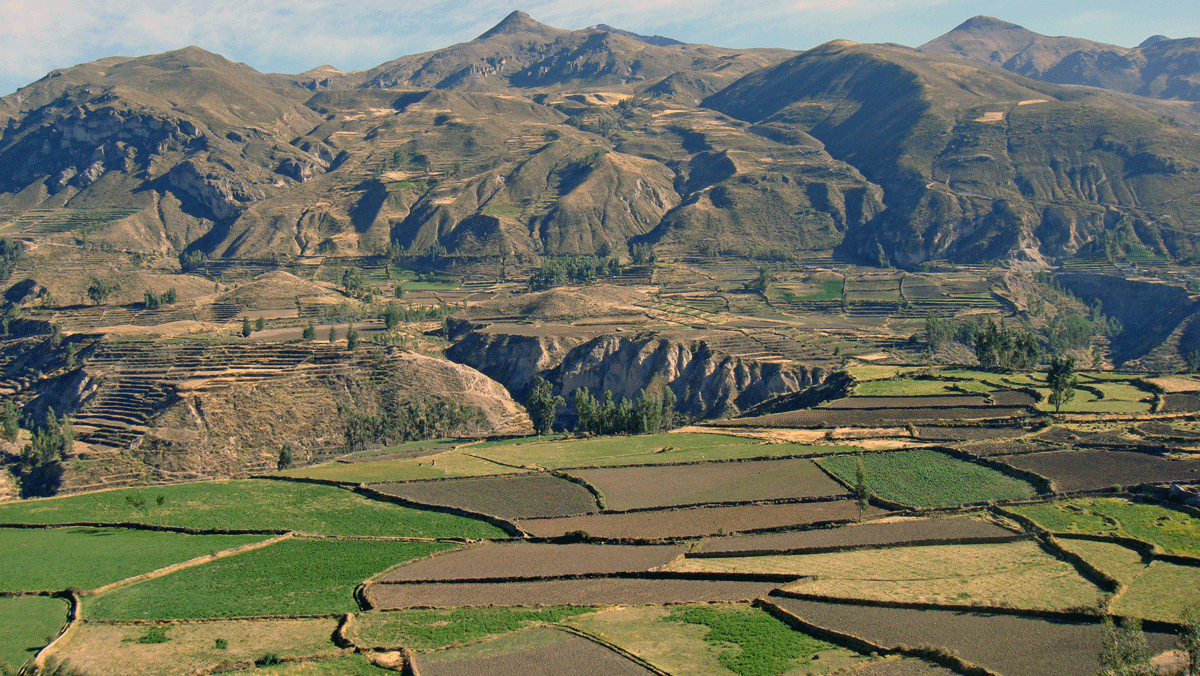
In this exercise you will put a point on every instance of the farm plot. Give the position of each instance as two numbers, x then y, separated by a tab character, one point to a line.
425	629
1162	592
512	497
1180	403
348	665
248	505
448	464
34	560
909	401
1092	469
1015	574
819	417
935	433
296	576
123	649
895	531
642	487
628	450
1006	644
924	478
532	652
698	521
1176	532
579	592
26	624
530	560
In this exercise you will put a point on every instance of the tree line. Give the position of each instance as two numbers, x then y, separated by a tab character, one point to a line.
646	413
409	420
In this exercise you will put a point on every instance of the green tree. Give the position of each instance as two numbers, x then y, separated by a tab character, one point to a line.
260	324
352	281
285	457
310	332
333	334
10	420
10	253
1124	650
1189	640
542	405
392	314
398	292
862	495
100	289
170	296
938	331
1062	381
152	300
245	327
351	337
642	255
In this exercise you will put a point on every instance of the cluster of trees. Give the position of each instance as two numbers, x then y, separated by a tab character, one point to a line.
100	289
996	346
647	413
157	300
582	269
10	253
410	420
395	313
1124	650
52	440
259	325
1074	332
192	260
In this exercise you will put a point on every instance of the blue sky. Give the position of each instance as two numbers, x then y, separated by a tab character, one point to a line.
294	35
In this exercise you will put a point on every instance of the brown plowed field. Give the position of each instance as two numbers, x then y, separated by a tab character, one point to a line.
697	522
863	418
535	652
994	448
1165	430
1180	403
1003	643
867	534
526	559
1012	398
639	487
605	591
934	401
1082	470
514	497
934	433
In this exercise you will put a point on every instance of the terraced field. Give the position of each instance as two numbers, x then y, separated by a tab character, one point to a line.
926	478
1076	470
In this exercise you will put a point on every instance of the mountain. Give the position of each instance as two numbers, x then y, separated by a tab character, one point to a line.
976	163
1158	68
531	141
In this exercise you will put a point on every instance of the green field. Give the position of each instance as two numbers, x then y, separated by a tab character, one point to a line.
249	505
924	478
431	629
297	576
1163	592
1175	532
88	558
918	388
26	624
751	642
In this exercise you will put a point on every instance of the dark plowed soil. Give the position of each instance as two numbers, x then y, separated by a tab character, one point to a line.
867	534
548	653
1003	643
584	592
876	418
969	433
1089	469
989	449
511	497
525	559
1165	430
1180	403
637	487
934	401
697	522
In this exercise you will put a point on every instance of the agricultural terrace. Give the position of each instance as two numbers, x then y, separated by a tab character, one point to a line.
643	487
1016	574
530	560
33	558
535	650
1075	470
349	665
296	576
254	504
877	533
445	465
26	624
1174	531
926	478
1005	644
510	497
1153	590
428	629
174	648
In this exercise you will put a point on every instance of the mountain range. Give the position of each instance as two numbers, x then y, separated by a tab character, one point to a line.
991	143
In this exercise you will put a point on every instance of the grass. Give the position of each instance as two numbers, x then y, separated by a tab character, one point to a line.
297	576
26	624
1121	562
1175	532
867	372
1016	574
431	629
54	559
924	478
1163	592
249	505
115	650
906	388
751	642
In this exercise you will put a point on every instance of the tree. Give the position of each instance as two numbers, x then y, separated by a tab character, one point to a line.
398	292
351	337
152	300
310	332
1189	640
763	282
352	281
101	289
260	324
285	457
641	255
862	495
245	327
10	420
333	334
542	405
938	331
1124	650
392	314
1062	381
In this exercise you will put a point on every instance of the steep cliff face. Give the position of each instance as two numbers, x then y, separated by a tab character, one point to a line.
512	360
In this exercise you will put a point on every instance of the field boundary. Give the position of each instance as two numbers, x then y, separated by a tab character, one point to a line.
649	666
929	542
626	575
503	524
132	525
73	620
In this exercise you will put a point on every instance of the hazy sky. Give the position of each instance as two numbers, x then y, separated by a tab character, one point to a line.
291	36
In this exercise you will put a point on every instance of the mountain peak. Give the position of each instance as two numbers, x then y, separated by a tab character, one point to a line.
656	40
516	22
1153	39
981	23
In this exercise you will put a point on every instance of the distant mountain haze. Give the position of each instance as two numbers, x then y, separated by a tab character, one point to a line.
530	141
